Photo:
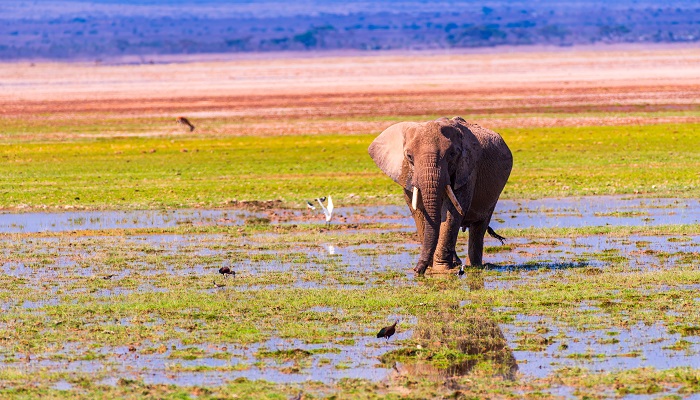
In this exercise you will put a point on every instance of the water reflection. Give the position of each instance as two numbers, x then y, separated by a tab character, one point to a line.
451	342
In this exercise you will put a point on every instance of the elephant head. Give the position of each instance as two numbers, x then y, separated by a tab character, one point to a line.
430	160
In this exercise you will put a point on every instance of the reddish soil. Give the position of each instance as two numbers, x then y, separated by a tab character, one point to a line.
339	94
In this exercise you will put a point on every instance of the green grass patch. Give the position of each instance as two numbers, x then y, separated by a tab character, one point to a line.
654	160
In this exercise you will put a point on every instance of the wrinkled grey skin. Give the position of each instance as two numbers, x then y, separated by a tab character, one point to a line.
473	160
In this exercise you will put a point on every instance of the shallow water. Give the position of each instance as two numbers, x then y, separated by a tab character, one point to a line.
596	211
94	220
359	360
47	263
639	346
565	212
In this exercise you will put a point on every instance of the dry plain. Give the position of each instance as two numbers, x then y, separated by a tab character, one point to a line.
404	84
109	205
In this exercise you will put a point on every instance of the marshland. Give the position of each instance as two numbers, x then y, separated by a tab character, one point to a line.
115	221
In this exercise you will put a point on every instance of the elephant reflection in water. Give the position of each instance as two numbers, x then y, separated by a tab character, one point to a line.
476	335
452	173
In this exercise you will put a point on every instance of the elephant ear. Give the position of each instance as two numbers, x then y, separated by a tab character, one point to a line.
470	152
387	150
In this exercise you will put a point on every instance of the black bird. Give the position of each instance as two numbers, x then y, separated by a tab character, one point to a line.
388	331
396	367
461	270
110	276
322	199
297	397
186	122
227	271
496	235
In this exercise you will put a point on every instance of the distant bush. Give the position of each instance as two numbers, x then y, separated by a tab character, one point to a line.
450	27
311	37
239	43
554	31
613	30
308	38
521	24
482	33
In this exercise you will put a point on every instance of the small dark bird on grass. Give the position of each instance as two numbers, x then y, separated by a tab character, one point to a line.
496	235
227	271
218	285
110	276
297	397
461	270
322	198
388	331
186	122
396	367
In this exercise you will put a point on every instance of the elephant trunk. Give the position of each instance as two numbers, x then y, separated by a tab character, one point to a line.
432	192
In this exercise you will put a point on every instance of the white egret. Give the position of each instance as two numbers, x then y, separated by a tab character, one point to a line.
327	211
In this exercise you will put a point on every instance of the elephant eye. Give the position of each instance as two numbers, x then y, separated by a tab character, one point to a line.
410	158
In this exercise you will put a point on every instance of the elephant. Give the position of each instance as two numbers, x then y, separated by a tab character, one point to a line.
446	159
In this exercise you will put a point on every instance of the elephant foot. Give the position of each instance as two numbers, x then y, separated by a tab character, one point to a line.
440	268
446	259
445	267
432	271
420	268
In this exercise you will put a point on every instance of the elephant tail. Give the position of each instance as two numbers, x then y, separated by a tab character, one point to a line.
496	235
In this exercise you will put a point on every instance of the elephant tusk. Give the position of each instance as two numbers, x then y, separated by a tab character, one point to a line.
453	199
414	202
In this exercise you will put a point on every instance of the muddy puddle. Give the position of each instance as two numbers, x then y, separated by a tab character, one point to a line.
54	270
565	212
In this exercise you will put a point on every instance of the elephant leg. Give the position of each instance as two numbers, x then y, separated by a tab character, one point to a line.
455	221
445	254
477	230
